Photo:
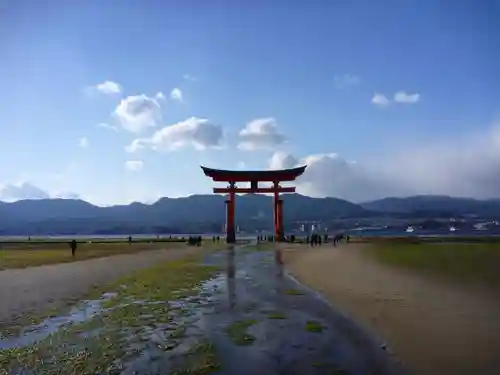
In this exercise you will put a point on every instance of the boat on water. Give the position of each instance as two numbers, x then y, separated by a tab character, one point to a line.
410	229
453	229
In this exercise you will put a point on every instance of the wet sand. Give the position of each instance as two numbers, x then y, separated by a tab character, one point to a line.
433	327
37	289
285	345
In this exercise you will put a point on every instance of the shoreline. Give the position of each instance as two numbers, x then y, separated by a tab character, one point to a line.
365	234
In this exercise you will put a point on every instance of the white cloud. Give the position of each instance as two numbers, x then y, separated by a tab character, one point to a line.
83	142
160	96
198	132
403	97
399	97
189	77
282	160
25	190
65	195
136	145
107	126
176	94
108	87
459	167
261	133
345	80
380	100
138	112
133	165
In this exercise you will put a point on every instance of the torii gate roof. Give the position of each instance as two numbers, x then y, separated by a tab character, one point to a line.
265	175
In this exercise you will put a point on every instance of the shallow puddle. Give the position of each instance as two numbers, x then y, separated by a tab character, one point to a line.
35	333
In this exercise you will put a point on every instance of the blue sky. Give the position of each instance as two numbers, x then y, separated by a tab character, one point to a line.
378	97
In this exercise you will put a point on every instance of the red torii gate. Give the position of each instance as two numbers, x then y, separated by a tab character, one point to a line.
254	177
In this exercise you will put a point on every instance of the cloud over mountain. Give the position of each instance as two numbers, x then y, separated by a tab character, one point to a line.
459	167
26	190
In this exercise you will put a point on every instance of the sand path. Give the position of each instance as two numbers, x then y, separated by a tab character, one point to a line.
433	326
36	289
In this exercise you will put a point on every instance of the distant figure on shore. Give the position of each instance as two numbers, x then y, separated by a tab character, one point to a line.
73	248
340	237
130	240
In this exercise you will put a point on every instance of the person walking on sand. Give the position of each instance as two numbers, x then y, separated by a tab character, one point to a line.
73	248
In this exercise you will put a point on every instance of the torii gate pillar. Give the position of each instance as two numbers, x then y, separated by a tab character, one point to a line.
230	225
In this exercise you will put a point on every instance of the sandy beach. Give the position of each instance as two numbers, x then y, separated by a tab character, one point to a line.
432	326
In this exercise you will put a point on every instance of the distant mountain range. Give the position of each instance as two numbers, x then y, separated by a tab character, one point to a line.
206	213
436	205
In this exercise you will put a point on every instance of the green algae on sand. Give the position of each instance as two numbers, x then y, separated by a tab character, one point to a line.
104	343
238	334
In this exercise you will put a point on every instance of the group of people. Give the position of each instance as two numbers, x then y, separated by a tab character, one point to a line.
194	240
290	238
314	239
317	239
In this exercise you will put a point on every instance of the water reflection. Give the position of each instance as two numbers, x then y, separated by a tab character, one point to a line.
231	273
278	260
